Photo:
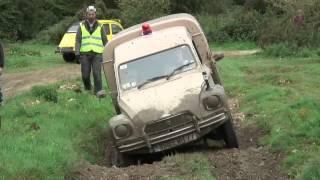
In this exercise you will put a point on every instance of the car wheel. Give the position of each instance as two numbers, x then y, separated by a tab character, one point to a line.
69	57
229	135
114	158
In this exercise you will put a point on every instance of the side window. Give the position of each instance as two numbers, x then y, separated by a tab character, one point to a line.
115	28
106	29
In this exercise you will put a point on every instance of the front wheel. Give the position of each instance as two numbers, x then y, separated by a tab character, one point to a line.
114	157
69	57
229	135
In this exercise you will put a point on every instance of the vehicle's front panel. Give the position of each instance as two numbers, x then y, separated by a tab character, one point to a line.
169	114
172	131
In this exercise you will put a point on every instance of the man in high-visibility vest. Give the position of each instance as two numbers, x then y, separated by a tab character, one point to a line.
90	42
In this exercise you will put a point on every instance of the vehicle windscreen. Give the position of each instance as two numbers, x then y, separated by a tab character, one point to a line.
73	28
156	66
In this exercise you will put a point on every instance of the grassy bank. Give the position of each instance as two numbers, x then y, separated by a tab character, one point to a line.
29	56
282	95
46	131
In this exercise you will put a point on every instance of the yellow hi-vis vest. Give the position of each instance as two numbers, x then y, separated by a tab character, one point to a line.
91	42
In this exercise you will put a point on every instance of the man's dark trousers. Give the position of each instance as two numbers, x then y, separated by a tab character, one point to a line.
87	61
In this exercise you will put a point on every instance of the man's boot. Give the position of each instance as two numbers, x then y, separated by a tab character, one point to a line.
101	94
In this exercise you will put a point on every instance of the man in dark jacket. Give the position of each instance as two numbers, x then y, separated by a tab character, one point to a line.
1	69
90	42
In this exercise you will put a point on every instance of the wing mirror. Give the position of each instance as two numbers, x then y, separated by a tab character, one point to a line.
218	57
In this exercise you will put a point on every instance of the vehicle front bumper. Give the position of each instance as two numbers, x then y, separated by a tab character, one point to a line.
184	135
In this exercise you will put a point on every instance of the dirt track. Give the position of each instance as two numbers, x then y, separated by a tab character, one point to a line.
241	53
14	83
250	162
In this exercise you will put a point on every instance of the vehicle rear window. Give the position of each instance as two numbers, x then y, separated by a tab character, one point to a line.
73	28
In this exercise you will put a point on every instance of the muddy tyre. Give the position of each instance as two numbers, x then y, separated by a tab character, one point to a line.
229	135
69	57
114	158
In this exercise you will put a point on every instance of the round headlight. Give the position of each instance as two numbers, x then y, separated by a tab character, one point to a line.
211	102
122	131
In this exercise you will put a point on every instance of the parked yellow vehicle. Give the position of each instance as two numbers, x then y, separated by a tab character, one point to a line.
67	43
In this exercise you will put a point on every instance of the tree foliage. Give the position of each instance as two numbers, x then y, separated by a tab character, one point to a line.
263	21
137	11
22	19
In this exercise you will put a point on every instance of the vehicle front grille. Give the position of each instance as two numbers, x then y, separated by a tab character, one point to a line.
173	131
169	124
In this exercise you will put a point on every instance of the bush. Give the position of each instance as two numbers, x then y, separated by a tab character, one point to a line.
235	25
55	32
138	11
212	26
23	20
244	26
48	93
278	30
265	22
278	25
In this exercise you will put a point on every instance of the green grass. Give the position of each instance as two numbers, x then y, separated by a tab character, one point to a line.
48	130
233	46
29	56
281	95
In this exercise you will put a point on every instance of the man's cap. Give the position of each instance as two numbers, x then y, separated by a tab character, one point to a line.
91	9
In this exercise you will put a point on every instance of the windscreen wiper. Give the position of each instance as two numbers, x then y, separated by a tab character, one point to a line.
178	69
151	80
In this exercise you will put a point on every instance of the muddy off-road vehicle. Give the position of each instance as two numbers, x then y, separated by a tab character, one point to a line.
165	88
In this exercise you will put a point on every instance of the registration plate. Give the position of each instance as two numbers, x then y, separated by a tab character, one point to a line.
178	141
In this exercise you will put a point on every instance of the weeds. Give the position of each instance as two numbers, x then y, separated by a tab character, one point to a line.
48	93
